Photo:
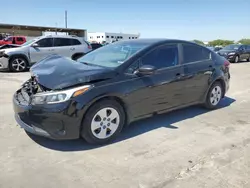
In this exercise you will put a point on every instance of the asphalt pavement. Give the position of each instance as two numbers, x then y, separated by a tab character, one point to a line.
187	148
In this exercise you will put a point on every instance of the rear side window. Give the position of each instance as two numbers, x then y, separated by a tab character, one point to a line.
20	39
162	57
46	42
193	53
75	42
62	42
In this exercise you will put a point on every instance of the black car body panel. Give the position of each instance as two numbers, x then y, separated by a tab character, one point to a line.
141	96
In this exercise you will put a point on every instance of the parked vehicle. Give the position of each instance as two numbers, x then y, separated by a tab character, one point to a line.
13	40
95	46
5	46
97	96
236	52
216	49
19	59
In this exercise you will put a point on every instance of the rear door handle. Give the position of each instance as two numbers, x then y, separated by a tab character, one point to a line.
210	66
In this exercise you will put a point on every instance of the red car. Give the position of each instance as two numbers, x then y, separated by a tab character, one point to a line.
13	40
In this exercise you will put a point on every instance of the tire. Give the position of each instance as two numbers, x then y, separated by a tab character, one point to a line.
236	59
96	124
248	60
18	64
76	56
214	96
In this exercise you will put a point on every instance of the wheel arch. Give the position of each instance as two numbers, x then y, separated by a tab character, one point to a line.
19	55
223	84
109	97
77	54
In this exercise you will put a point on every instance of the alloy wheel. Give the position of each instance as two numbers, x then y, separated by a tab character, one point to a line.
105	123
18	64
215	95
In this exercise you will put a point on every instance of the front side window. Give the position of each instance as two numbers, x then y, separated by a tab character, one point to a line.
8	39
112	55
162	57
193	53
19	39
46	42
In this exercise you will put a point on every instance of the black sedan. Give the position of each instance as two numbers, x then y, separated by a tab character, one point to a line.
96	96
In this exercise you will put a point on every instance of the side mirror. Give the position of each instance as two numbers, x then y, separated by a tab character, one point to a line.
35	45
145	70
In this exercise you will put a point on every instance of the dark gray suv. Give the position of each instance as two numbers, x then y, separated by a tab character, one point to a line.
236	52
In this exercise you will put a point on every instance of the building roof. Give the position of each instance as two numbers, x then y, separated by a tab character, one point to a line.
39	28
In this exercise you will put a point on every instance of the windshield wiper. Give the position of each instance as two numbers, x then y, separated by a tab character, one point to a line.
90	64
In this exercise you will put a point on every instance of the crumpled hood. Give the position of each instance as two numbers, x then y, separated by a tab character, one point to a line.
57	72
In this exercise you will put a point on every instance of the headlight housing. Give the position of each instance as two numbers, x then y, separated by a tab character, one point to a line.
1	53
231	53
58	96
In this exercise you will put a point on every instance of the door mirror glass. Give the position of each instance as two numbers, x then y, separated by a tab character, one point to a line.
145	70
35	45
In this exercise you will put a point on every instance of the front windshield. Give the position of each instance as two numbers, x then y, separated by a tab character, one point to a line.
231	47
113	54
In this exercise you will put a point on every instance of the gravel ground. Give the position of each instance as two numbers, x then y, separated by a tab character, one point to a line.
186	148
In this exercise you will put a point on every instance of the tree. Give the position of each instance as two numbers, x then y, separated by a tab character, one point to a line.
198	42
220	42
244	41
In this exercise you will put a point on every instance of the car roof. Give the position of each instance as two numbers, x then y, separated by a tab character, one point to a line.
153	41
61	36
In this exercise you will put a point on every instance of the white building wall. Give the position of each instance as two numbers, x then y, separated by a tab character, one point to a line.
110	37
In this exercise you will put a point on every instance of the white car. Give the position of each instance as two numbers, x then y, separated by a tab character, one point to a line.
20	58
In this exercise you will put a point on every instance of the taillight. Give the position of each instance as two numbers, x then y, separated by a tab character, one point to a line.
89	47
226	63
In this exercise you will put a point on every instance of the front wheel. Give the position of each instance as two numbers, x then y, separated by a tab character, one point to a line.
236	60
18	64
103	122
214	96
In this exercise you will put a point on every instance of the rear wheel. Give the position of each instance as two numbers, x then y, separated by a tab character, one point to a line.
214	96
18	64
103	122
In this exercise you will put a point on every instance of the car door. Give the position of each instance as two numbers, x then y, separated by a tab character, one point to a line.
163	89
198	67
248	52
244	52
76	47
42	50
62	46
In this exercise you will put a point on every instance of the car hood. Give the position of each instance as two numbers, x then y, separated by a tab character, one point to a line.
56	72
14	49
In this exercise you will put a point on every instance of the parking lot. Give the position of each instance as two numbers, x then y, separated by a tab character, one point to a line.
192	147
